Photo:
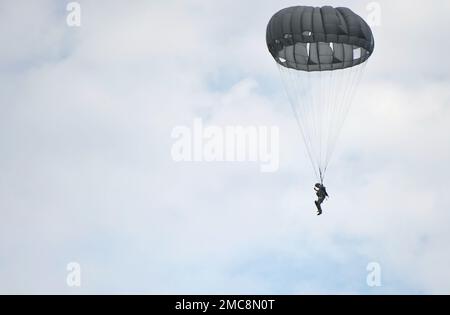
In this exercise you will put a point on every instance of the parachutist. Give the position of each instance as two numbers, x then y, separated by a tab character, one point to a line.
321	193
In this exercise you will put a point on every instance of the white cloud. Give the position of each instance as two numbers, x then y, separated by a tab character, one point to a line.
87	173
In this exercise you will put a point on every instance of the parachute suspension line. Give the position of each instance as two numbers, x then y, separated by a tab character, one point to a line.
291	85
337	88
331	106
307	104
357	73
316	108
314	114
329	103
321	101
303	113
307	109
320	107
310	112
341	90
310	115
349	101
320	76
349	98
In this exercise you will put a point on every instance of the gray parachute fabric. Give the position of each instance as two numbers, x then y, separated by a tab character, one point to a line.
317	39
321	54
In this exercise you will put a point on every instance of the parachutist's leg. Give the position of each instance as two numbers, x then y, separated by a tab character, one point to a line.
319	208
319	204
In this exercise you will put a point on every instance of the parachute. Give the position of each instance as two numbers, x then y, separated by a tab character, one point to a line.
321	54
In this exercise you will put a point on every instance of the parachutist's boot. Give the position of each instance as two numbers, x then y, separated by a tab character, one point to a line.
319	209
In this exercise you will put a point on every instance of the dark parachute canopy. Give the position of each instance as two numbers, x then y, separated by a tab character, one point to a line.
316	39
321	54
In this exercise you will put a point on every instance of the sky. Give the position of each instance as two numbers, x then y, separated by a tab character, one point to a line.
87	175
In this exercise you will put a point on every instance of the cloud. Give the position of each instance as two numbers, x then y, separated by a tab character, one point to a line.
87	173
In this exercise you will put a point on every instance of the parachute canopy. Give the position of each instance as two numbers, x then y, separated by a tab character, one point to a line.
316	39
321	54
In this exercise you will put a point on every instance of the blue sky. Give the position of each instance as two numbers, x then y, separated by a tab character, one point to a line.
87	175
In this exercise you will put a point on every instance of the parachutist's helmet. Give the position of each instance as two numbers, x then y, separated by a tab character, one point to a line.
318	185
